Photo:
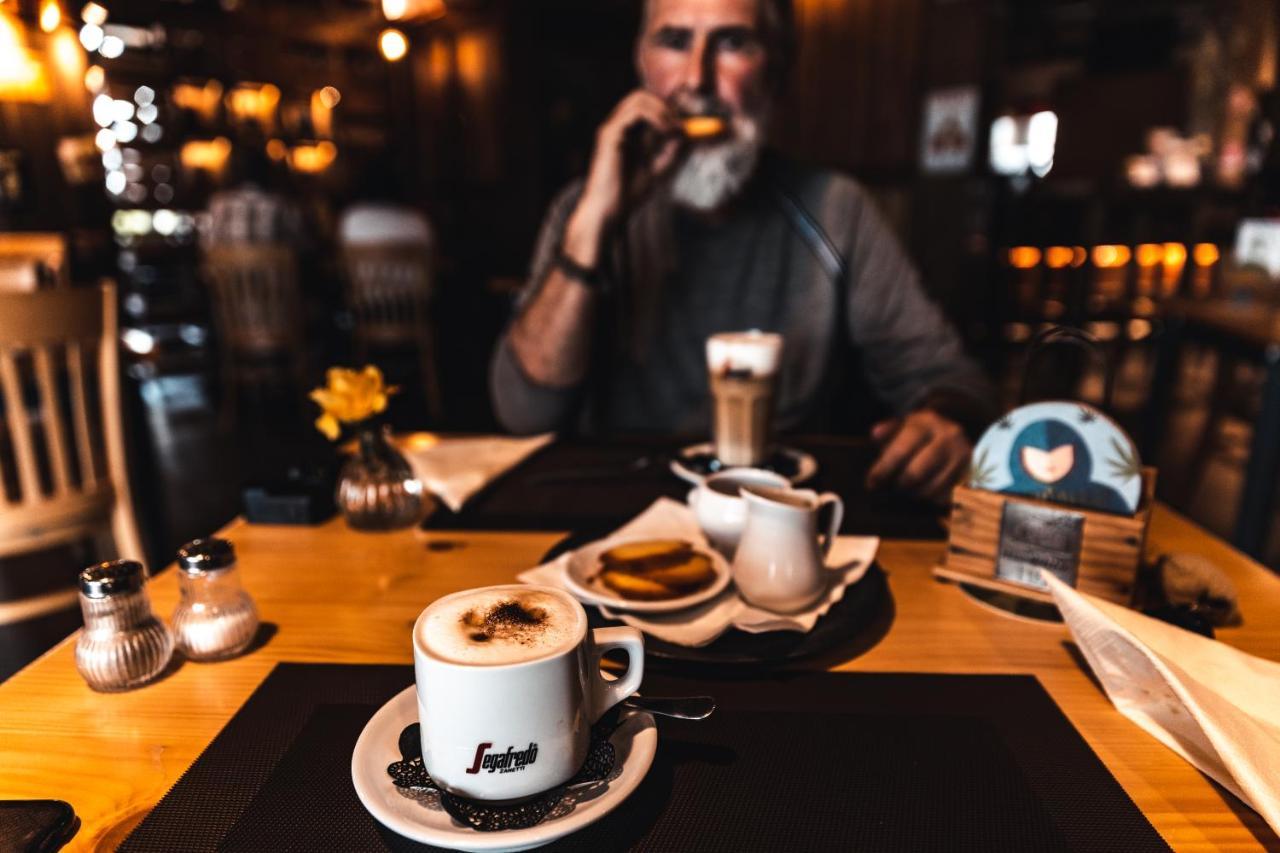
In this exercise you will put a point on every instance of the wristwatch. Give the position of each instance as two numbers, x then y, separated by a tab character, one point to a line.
587	276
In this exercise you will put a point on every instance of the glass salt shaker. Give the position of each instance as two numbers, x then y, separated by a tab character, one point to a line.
215	617
123	645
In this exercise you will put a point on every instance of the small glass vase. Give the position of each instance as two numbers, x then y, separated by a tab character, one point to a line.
377	489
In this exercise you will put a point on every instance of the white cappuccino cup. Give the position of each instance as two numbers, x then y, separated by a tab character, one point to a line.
509	684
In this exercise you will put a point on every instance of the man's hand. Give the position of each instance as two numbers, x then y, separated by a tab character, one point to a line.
923	454
608	187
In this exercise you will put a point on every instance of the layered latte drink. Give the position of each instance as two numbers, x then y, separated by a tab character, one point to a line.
742	368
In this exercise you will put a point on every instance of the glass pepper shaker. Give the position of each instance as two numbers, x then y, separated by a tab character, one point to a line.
215	617
123	645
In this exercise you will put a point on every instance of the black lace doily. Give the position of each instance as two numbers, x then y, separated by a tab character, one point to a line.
412	779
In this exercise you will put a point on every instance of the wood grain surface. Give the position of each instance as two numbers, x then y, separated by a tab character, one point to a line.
333	595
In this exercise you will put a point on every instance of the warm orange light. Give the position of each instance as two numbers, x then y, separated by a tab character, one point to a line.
1149	254
276	149
393	45
1057	257
399	10
1139	329
1205	254
22	77
322	103
1110	257
254	102
1024	257
1078	256
208	155
1175	254
439	62
95	78
67	55
202	99
50	16
310	159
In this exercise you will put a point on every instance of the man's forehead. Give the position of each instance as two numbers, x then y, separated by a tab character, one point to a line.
701	13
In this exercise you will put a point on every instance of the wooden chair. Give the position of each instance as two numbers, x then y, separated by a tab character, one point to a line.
258	310
63	477
389	290
28	260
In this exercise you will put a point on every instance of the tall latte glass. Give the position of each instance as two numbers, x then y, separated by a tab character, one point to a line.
509	684
742	368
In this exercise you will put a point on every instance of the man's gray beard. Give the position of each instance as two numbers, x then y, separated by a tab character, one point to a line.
712	174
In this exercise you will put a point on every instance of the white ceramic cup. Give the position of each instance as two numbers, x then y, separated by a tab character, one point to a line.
507	731
721	510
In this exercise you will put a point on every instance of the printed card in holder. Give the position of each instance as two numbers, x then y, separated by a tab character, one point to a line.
1035	538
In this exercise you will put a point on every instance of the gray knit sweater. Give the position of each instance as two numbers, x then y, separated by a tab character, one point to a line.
752	270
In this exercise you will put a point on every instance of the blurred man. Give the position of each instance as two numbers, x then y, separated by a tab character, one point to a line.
671	238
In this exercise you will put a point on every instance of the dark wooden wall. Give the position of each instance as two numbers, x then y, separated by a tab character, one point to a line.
854	99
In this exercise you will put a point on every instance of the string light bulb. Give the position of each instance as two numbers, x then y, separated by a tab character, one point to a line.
93	13
393	45
50	16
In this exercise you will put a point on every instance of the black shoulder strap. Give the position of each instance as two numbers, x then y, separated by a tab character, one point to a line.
813	235
836	270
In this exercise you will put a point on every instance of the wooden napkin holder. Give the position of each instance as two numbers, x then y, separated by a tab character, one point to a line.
995	539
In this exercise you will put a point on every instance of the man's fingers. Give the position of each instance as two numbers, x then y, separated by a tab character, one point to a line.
636	110
939	488
925	464
885	428
896	453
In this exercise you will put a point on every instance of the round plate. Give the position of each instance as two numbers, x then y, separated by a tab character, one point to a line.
580	577
697	461
853	625
635	742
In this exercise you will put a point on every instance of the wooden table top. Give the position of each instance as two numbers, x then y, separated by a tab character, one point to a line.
338	596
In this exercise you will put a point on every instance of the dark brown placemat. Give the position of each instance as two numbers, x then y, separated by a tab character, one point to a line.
523	499
808	761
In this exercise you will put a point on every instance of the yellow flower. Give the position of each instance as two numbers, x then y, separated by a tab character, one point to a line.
350	396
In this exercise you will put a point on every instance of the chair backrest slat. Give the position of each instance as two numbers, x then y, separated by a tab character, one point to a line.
54	424
80	414
256	296
15	408
388	287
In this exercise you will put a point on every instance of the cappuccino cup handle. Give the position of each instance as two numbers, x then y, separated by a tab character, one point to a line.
606	694
827	539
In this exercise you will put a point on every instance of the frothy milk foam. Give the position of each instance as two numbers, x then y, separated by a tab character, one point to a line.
500	625
753	352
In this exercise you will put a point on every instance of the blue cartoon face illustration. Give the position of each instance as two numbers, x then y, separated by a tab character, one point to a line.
1050	460
1060	451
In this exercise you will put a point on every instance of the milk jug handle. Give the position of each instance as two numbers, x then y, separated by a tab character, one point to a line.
828	538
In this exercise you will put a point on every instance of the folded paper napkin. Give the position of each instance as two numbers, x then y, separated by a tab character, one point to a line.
700	625
455	468
1217	707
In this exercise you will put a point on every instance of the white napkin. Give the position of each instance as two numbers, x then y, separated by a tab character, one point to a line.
700	625
1217	707
455	468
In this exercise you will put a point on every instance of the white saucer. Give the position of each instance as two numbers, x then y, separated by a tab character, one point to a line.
806	465
580	576
418	815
